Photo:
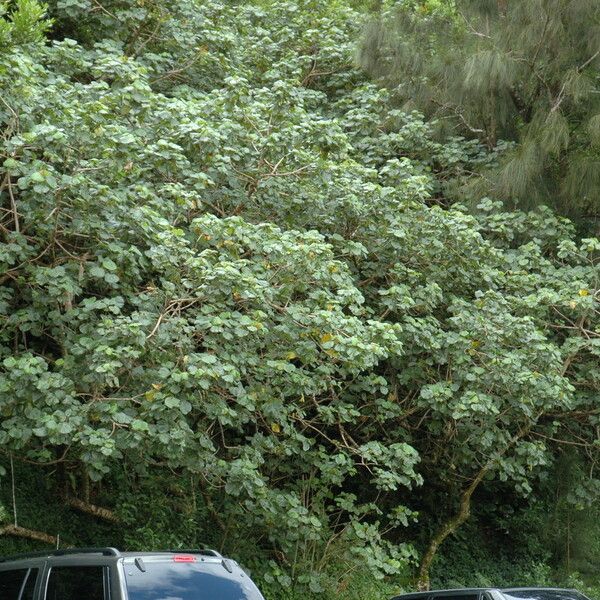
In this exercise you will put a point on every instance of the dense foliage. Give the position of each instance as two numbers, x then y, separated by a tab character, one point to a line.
234	312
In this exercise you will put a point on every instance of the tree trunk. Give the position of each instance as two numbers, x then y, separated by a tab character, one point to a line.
464	509
449	528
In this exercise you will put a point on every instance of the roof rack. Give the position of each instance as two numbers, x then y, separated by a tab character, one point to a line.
64	552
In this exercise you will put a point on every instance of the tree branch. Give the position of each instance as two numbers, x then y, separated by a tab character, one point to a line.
30	534
92	509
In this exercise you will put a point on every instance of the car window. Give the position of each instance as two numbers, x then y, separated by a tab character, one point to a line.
11	583
75	583
471	596
187	581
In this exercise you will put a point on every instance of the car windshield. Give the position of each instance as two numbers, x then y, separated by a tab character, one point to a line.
544	595
188	581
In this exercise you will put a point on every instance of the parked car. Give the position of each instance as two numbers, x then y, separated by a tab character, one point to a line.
107	574
521	593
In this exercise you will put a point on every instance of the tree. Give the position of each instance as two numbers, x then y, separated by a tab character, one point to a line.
518	72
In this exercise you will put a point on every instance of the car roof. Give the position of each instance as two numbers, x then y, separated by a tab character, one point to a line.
461	591
448	592
106	555
536	589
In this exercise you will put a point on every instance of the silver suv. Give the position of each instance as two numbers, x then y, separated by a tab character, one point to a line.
107	574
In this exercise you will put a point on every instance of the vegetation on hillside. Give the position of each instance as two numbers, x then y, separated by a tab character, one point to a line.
240	307
504	71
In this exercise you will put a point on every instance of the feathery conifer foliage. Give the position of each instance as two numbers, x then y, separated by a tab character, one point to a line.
524	72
